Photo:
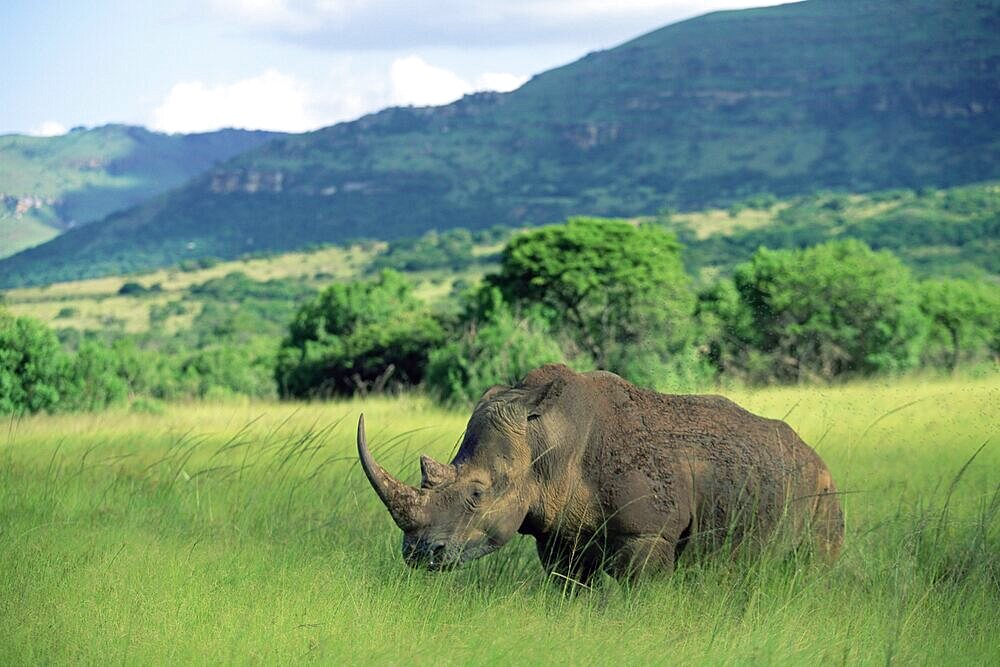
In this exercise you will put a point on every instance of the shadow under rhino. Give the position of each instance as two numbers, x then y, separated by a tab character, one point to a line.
608	476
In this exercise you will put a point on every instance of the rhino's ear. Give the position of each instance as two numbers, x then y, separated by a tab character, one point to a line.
491	392
538	400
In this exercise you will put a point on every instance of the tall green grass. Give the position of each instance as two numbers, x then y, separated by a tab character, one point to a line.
247	533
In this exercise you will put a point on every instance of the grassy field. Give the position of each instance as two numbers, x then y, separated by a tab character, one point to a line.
245	532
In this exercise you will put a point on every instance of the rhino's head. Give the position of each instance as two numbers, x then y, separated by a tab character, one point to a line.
471	507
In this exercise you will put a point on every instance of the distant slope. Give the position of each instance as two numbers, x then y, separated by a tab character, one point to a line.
953	232
50	184
851	95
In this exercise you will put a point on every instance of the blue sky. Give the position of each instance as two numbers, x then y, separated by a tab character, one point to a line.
292	65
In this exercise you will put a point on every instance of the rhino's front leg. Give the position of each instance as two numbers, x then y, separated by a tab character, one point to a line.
637	556
571	562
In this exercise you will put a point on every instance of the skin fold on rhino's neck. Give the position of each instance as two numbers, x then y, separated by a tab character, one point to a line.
559	496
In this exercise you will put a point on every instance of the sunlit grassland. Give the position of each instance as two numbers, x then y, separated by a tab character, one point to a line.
94	305
97	313
246	532
335	261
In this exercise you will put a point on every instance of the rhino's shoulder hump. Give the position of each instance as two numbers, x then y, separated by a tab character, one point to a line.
548	373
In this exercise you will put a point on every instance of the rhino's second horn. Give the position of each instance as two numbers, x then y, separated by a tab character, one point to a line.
404	502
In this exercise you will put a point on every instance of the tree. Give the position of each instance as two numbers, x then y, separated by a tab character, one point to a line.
131	288
32	366
494	347
359	336
94	379
728	332
225	370
834	309
616	288
965	321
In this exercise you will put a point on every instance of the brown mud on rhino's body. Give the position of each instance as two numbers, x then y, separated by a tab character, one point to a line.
606	475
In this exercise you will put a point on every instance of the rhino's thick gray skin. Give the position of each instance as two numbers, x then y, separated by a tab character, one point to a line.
606	475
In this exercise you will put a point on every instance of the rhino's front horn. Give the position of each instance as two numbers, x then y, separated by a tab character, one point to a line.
404	502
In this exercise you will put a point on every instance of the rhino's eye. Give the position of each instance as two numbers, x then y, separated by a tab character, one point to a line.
474	497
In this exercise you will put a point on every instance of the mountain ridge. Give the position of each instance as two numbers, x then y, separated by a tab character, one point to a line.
851	95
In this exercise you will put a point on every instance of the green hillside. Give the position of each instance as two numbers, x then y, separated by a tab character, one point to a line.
51	184
846	95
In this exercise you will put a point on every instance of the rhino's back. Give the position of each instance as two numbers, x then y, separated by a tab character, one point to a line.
714	421
707	447
648	428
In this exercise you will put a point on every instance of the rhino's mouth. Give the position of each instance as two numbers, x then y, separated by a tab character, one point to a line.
442	557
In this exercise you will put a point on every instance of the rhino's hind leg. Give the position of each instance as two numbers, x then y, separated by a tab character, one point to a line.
641	555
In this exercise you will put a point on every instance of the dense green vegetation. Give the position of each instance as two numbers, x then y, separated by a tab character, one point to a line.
235	533
453	250
852	96
356	337
593	293
495	344
51	184
31	366
229	349
964	318
950	232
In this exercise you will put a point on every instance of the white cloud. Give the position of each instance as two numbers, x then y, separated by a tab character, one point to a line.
416	82
421	84
270	101
500	81
277	101
49	128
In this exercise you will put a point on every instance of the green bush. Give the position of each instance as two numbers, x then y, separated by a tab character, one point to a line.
132	289
158	314
33	366
832	310
149	406
965	322
685	370
94	380
446	250
499	349
223	370
357	337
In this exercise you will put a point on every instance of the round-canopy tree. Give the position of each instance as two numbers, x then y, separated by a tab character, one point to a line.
618	289
838	308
